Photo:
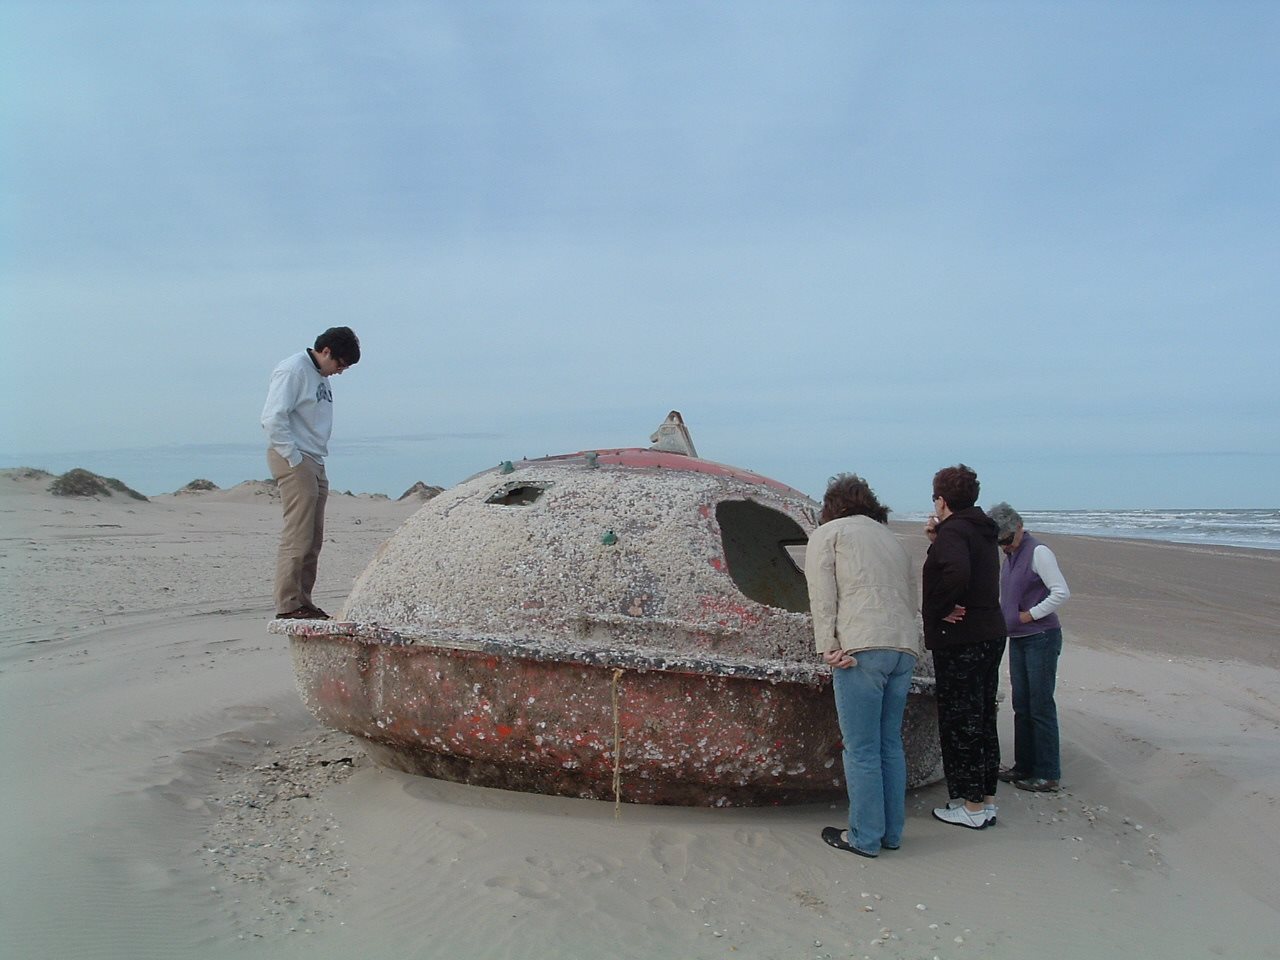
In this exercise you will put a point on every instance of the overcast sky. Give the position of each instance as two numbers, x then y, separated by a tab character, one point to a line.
1039	238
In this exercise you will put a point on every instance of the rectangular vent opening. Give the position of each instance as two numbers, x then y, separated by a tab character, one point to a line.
519	494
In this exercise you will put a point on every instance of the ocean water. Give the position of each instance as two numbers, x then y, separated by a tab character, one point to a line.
1230	528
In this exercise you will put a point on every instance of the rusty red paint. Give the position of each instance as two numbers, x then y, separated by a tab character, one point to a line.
730	609
332	692
686	738
643	457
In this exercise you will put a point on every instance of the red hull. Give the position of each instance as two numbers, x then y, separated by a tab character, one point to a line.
523	717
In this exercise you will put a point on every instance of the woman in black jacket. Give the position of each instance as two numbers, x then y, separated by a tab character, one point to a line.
964	628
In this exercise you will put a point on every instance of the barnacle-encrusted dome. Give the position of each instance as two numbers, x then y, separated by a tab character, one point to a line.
626	623
633	547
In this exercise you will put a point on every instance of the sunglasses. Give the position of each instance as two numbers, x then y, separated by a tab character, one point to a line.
1006	541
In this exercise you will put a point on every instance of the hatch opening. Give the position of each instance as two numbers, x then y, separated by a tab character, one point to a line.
756	540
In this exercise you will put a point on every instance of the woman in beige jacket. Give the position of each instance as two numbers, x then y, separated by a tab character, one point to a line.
864	622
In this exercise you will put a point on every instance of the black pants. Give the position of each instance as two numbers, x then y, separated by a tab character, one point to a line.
967	678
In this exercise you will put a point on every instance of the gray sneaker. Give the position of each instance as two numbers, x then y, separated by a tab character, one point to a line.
990	808
961	817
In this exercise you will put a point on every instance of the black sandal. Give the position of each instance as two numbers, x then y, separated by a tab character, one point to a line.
831	836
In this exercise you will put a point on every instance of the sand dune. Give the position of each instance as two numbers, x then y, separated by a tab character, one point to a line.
169	796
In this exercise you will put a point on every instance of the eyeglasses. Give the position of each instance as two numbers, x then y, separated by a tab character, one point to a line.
1006	541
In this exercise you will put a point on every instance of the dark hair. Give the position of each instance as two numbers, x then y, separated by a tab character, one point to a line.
343	344
957	485
848	495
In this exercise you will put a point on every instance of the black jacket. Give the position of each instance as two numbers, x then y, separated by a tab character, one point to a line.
963	568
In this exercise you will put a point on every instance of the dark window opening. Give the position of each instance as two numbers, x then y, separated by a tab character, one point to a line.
755	540
518	494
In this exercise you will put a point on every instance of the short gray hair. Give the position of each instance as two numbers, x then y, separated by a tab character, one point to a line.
1007	519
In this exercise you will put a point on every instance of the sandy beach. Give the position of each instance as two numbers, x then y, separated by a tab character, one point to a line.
167	795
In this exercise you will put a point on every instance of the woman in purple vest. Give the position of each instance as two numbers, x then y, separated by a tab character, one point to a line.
1032	589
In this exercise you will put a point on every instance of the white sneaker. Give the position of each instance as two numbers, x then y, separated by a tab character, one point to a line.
961	817
991	809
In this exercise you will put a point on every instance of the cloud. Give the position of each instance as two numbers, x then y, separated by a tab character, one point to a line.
823	231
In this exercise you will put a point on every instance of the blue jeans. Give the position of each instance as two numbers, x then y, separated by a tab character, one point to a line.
870	700
1033	674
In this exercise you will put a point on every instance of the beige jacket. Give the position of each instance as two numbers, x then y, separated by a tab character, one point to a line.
861	589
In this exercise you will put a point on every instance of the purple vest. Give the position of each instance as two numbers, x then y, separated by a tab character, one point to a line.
1021	589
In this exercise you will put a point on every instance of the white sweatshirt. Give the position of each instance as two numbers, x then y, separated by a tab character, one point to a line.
1045	565
298	414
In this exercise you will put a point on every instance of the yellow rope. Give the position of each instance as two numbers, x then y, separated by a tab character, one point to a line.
617	750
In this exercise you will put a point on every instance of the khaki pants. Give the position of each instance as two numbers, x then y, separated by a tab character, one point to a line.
303	491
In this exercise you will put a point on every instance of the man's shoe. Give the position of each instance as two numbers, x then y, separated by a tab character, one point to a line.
316	612
1010	774
962	817
302	613
1037	785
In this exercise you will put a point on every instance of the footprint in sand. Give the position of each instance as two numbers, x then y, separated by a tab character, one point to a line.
533	889
249	712
596	866
188	802
671	849
462	828
756	839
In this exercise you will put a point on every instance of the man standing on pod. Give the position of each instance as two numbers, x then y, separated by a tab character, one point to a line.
298	418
